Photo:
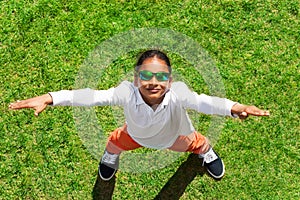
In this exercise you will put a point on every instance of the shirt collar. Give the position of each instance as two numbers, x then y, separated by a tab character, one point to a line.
166	99
139	98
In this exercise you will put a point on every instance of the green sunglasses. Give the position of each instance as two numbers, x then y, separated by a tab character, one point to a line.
160	76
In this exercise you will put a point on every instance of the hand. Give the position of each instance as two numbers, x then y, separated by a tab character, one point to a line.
243	111
37	103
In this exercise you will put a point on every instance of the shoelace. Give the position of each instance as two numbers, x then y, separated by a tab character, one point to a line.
209	157
109	158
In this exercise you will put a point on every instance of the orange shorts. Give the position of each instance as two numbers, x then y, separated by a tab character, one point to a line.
119	140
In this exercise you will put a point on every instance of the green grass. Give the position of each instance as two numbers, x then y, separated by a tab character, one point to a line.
255	45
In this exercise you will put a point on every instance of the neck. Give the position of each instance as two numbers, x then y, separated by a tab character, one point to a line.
154	107
153	102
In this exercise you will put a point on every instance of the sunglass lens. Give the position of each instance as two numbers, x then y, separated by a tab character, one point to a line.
162	76
146	75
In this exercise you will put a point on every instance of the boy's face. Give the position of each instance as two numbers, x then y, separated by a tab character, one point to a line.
153	90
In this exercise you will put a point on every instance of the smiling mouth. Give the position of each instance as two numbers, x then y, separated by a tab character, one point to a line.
152	90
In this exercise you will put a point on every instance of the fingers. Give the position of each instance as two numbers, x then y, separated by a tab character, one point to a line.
29	103
39	110
244	111
252	110
263	113
244	114
18	105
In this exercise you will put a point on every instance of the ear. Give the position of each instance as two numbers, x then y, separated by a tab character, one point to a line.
170	81
135	81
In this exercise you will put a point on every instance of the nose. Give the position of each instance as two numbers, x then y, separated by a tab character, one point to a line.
153	80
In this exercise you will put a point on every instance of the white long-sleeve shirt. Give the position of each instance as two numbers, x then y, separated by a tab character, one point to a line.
150	128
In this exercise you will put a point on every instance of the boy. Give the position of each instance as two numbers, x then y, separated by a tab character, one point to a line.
155	113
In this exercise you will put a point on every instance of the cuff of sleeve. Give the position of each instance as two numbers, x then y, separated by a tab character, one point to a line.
59	98
233	115
52	99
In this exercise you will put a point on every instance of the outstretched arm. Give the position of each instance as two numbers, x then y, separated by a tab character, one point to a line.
243	111
38	103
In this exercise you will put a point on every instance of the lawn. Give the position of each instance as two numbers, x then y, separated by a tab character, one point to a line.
46	45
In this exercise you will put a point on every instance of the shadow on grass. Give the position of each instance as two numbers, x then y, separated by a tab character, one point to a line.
103	190
184	175
172	190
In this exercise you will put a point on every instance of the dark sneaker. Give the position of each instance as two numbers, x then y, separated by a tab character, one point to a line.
213	163
108	165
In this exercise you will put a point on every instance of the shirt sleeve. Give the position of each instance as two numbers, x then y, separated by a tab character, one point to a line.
202	103
89	97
